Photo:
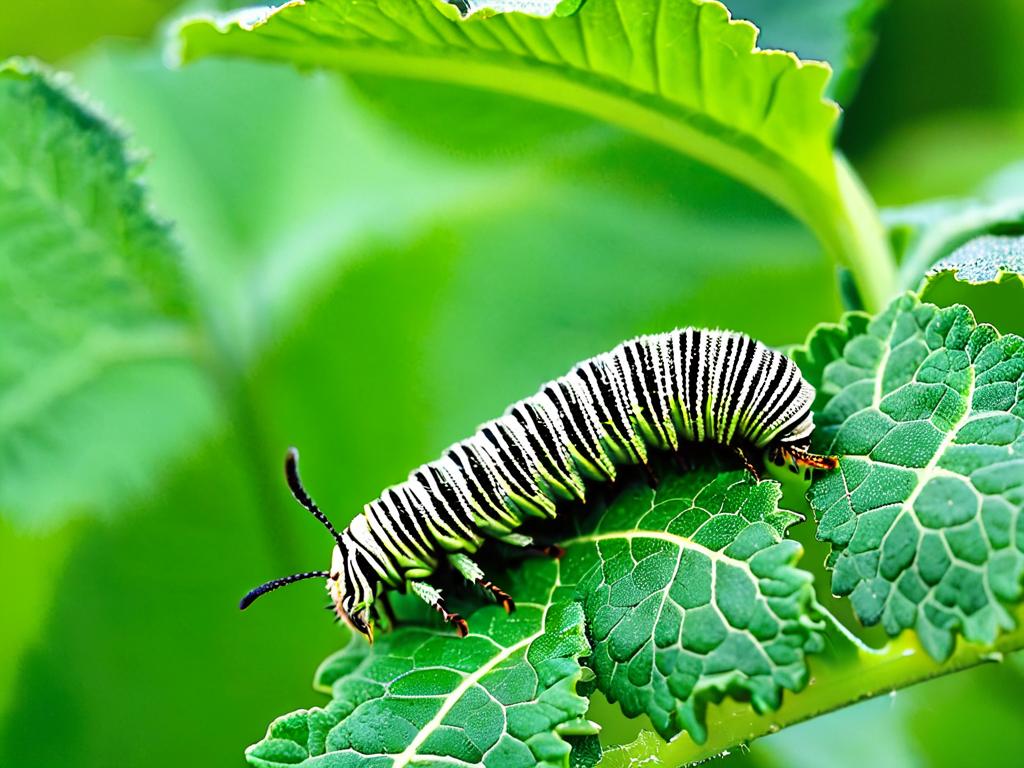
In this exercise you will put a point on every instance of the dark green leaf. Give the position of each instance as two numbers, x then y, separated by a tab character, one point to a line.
503	697
924	513
691	595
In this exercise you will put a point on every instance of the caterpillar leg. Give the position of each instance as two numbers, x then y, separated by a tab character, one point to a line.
798	457
388	611
517	540
532	548
474	573
747	463
814	461
432	597
652	477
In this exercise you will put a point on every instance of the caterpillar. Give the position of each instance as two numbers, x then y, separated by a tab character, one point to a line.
651	393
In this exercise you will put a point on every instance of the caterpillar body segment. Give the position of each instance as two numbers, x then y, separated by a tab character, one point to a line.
655	392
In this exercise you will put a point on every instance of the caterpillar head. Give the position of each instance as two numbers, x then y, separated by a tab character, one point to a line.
350	590
350	594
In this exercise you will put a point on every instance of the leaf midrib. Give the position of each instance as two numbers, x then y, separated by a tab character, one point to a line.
402	759
97	353
676	540
411	752
44	190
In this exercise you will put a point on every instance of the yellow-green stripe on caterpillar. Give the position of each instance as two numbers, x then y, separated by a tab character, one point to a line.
653	392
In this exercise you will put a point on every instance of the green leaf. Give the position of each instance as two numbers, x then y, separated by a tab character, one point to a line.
985	259
926	233
691	595
97	322
837	31
824	345
680	72
924	512
503	696
986	274
247	205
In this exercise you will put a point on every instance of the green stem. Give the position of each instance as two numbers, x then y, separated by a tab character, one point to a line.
834	684
228	374
861	243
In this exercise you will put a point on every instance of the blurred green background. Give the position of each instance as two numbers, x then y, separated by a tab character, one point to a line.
378	281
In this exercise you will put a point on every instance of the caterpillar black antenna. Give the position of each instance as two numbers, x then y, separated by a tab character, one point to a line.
270	586
291	473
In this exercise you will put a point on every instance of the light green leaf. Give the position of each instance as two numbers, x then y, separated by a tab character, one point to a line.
96	318
680	72
837	31
986	274
504	696
924	513
691	595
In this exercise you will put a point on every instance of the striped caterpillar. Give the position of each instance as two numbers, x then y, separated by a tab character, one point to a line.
654	392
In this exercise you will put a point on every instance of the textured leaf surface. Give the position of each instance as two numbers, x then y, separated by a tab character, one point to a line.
678	71
688	56
96	322
691	595
504	696
986	275
924	513
985	259
927	233
824	345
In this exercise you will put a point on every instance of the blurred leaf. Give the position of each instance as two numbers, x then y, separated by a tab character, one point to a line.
503	697
97	320
53	29
986	275
928	232
837	31
928	419
968	718
30	560
825	345
150	601
913	82
682	74
914	163
692	595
